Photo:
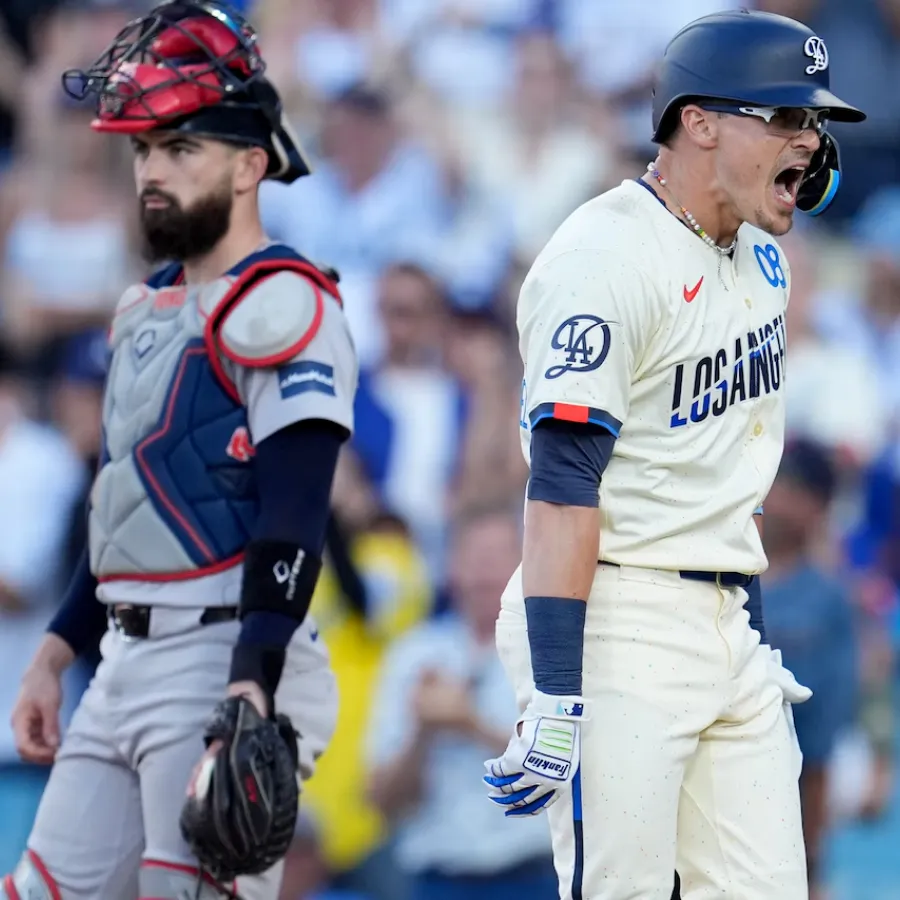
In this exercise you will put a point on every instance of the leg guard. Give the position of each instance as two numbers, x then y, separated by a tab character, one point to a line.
29	881
170	881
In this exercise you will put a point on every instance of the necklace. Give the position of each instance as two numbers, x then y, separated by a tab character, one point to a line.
689	218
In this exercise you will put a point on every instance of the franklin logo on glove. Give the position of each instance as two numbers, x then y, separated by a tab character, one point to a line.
542	757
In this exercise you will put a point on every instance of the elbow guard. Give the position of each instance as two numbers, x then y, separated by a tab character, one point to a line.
279	577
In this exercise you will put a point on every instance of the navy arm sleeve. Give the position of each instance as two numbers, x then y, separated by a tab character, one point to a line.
81	619
567	462
295	469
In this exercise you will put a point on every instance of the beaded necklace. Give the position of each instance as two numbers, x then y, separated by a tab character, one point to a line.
689	218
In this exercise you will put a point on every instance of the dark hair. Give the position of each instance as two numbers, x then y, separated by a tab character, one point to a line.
810	466
364	98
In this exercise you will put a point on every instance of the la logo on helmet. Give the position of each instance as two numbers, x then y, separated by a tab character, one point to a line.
816	50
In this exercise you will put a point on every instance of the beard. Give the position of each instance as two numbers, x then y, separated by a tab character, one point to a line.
178	233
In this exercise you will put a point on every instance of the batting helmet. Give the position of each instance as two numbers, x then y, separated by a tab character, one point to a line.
191	66
749	57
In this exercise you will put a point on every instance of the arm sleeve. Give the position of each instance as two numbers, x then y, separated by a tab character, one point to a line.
567	462
294	508
584	318
318	383
294	500
81	619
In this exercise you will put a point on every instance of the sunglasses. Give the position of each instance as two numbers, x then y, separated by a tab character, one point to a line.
788	121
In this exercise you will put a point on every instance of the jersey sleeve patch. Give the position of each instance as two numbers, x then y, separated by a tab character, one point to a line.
571	412
305	376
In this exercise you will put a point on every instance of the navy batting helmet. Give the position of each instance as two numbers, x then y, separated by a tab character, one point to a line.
749	57
191	66
752	62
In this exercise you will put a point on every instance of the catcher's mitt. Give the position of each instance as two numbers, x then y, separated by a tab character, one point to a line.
241	818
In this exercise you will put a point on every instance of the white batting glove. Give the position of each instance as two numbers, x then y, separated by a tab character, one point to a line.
542	757
793	691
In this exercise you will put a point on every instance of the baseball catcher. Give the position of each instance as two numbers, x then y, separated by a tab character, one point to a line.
229	395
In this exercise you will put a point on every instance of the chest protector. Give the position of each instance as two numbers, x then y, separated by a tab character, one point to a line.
176	494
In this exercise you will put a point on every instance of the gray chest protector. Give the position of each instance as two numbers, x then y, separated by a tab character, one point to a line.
176	495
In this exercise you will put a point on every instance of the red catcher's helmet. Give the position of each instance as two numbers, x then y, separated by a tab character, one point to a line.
195	67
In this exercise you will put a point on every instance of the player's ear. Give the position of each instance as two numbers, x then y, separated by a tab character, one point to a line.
250	168
700	126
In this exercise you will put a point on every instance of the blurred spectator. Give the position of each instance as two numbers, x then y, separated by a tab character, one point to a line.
437	34
40	477
616	46
376	199
482	354
305	871
863	39
336	44
411	412
77	409
373	589
67	255
444	705
869	321
810	619
829	373
18	26
534	156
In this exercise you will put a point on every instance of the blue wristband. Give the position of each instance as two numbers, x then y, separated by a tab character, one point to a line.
754	607
556	638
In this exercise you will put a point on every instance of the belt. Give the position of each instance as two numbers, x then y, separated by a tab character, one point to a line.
724	579
133	621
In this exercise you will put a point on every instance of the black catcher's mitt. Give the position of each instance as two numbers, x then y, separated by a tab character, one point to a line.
242	816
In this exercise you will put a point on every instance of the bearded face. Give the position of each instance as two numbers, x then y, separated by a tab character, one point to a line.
171	231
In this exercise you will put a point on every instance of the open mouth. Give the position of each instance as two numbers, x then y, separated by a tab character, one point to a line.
787	185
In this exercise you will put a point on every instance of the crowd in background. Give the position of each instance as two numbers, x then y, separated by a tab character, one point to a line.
450	138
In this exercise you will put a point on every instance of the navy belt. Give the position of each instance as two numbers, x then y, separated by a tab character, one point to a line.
725	579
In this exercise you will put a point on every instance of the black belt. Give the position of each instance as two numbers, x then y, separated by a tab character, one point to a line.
133	621
725	579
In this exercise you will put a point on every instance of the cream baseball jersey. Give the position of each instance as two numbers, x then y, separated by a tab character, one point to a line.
630	321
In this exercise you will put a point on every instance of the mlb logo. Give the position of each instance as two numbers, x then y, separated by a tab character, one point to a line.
240	446
576	710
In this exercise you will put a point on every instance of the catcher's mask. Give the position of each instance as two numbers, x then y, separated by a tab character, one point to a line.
191	66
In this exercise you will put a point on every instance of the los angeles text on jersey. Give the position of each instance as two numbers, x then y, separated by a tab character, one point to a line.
756	366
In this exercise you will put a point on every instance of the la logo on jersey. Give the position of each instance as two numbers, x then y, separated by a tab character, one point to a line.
584	342
755	366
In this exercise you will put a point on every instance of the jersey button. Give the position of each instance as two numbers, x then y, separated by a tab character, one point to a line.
748	302
757	430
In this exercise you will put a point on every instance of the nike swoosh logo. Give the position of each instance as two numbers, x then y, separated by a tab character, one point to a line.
690	294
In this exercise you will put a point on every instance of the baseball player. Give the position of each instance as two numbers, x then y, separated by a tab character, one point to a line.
229	394
656	727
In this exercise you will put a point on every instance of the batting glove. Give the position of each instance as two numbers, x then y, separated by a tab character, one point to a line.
793	691
542	757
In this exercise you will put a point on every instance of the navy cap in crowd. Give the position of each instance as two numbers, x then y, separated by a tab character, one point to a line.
85	358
